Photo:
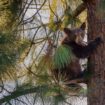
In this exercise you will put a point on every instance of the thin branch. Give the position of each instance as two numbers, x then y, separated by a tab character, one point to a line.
79	9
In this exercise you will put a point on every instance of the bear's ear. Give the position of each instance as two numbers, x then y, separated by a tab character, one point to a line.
67	31
83	26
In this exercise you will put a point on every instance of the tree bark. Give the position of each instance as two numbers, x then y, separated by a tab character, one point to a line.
96	27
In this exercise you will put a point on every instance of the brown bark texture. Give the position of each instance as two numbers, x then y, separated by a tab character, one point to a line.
96	27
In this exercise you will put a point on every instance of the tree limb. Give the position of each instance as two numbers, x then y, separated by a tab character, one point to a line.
79	9
19	93
76	81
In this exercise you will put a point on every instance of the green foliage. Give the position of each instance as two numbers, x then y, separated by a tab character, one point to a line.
69	19
43	79
7	55
10	5
15	6
58	99
39	91
63	56
22	46
45	63
11	48
51	92
9	10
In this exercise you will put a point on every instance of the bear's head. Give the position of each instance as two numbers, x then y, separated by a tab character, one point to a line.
76	35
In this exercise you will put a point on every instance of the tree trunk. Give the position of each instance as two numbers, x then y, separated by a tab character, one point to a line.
96	27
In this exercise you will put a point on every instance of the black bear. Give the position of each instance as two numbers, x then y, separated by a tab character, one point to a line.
74	39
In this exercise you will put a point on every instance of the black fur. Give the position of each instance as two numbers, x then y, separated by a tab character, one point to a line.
84	51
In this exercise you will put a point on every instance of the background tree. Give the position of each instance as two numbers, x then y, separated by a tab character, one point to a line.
96	26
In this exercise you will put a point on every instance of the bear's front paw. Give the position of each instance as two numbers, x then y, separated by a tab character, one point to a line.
99	40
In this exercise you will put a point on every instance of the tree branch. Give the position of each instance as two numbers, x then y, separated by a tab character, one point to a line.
19	93
79	9
76	81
